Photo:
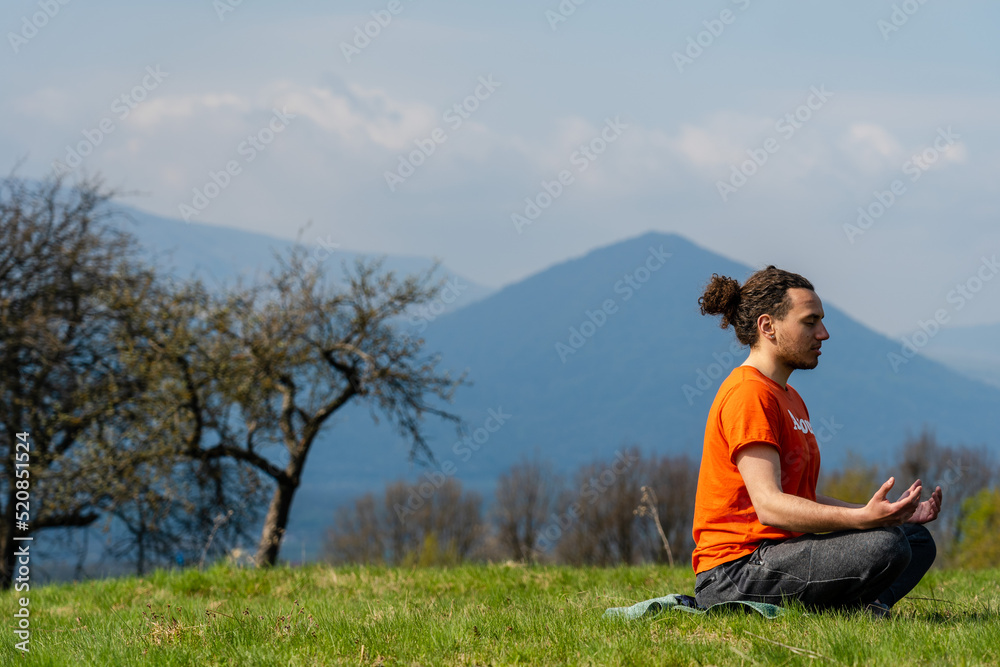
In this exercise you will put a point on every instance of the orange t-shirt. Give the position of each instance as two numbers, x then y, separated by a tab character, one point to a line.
748	408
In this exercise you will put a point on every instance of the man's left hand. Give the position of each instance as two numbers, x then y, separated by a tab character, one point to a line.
928	510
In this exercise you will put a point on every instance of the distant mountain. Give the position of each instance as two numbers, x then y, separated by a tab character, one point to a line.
218	254
610	348
972	351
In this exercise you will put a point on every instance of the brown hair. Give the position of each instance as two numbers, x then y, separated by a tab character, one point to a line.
763	292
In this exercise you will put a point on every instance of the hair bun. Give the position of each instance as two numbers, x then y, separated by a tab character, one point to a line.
721	297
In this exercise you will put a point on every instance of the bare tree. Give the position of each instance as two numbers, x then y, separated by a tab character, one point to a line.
444	528
65	384
97	372
401	536
185	505
648	508
960	470
303	350
674	481
455	518
596	523
357	535
264	367
525	497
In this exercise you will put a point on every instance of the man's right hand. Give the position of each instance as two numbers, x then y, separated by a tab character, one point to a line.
880	512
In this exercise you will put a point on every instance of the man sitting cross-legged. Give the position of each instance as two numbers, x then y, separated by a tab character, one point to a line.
762	532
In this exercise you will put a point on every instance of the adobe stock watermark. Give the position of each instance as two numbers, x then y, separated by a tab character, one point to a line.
121	107
464	449
914	167
786	127
31	25
426	313
223	7
899	17
795	462
585	155
711	375
697	44
455	117
591	491
825	432
364	34
952	475
21	515
321	251
958	297
562	13
629	284
248	149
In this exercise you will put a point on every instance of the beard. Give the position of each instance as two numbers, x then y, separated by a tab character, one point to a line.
796	359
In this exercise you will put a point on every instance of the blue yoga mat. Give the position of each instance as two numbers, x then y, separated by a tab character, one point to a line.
686	603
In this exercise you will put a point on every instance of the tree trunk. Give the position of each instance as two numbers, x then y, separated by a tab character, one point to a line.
275	523
288	483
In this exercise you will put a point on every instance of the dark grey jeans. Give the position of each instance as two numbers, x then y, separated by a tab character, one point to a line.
842	569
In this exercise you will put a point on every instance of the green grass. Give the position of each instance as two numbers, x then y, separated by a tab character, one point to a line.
476	615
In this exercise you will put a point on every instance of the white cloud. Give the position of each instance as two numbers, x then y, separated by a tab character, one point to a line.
870	147
365	115
958	153
162	108
703	148
722	140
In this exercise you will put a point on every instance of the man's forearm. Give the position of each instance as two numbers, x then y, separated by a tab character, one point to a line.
827	500
797	514
761	470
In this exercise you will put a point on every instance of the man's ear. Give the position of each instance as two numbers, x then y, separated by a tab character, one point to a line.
765	327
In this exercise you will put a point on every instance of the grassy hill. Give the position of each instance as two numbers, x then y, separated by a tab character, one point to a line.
476	614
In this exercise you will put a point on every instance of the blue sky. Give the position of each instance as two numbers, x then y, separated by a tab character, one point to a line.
328	127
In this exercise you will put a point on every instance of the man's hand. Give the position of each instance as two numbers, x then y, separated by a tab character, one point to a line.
928	510
880	512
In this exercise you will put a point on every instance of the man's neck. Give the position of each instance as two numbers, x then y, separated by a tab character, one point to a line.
769	367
